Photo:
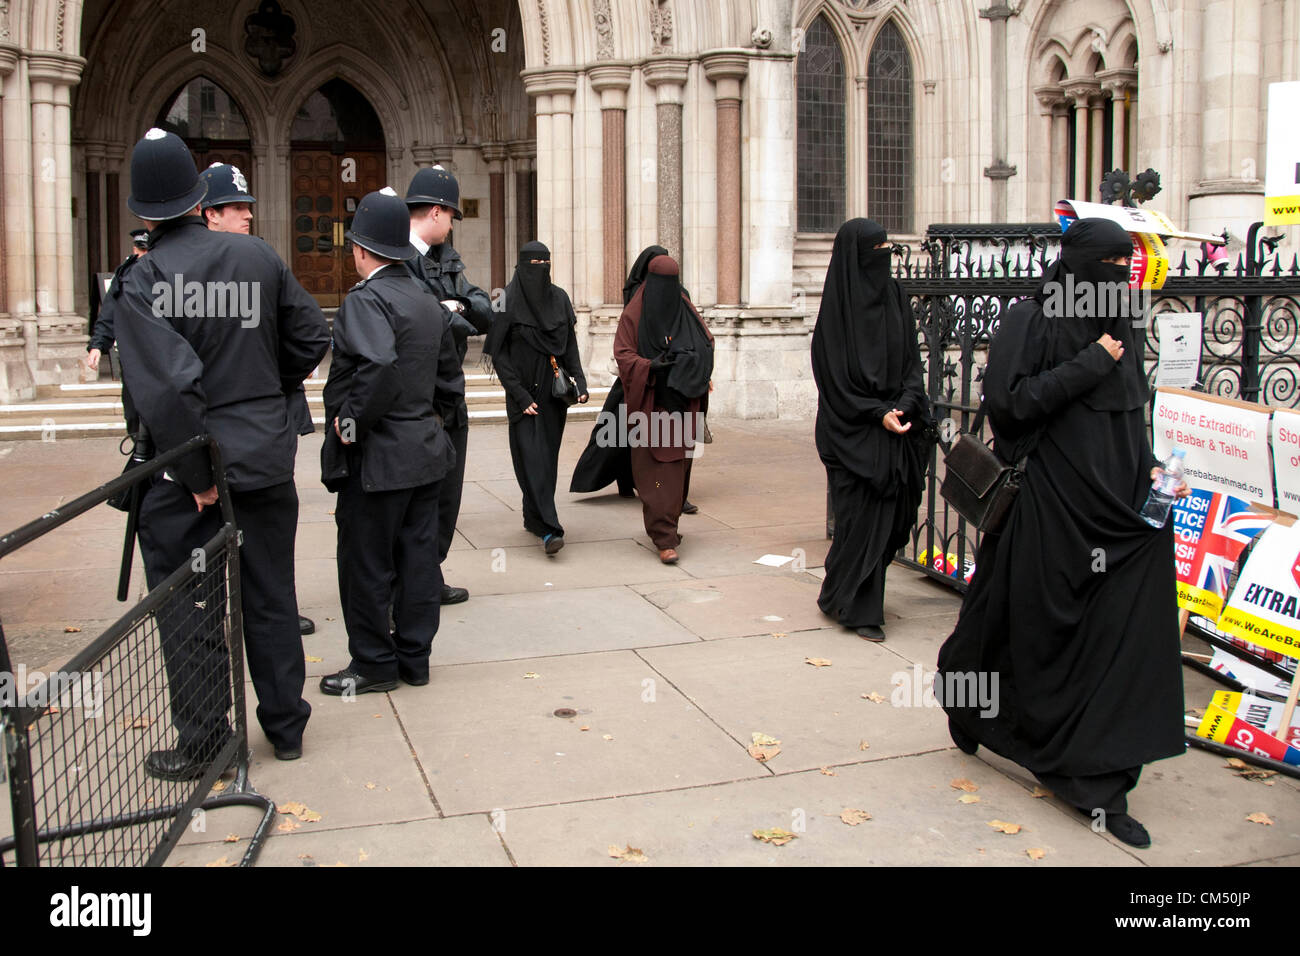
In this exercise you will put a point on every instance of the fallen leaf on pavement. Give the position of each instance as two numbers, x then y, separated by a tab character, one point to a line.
854	817
961	783
764	754
311	816
140	723
221	862
312	660
1034	853
584	727
71	630
778	633
531	676
1005	827
370	786
874	698
817	661
968	798
629	854
864	746
362	856
1038	793
1260	818
1248	771
608	736
827	771
304	856
775	836
231	838
288	826
292	806
763	740
219	786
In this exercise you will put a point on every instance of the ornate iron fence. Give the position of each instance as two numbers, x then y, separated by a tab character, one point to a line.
966	277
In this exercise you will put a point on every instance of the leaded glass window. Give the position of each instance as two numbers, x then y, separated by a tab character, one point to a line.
890	152
820	116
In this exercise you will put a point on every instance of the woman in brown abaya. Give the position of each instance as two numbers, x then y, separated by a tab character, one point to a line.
664	353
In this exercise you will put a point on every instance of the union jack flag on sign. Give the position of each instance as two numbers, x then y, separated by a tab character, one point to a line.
1211	530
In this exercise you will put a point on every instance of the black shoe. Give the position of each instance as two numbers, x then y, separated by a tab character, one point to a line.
306	625
689	509
553	543
413	680
1127	830
288	753
964	741
451	595
174	765
872	632
350	682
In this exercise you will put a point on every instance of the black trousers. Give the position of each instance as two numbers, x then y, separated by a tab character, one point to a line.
449	492
194	651
385	543
1103	791
535	453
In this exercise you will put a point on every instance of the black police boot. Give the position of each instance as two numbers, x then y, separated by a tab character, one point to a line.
451	595
306	625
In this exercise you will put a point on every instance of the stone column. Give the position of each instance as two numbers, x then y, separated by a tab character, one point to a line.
667	75
1230	184
1079	92
523	153
494	154
611	81
16	383
727	70
96	246
114	160
1117	84
998	14
1096	141
1054	130
554	90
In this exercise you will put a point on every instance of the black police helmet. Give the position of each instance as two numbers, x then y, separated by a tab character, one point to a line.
164	182
382	225
433	184
226	184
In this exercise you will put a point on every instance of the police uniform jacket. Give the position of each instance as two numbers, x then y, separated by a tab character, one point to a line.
393	351
214	332
102	335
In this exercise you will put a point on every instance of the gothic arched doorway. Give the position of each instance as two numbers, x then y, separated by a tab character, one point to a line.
336	156
212	125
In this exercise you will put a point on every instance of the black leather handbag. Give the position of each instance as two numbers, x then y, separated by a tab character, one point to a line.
979	485
563	386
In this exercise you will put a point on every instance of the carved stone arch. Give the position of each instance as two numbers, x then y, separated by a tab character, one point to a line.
371	79
152	90
1049	53
49	24
921	66
840	26
549	36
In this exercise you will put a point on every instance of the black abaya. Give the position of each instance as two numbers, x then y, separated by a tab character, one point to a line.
1072	606
866	362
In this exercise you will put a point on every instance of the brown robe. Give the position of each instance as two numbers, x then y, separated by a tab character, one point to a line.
662	471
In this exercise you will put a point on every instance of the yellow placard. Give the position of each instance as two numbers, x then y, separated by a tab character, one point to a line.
1264	633
1282	210
1199	601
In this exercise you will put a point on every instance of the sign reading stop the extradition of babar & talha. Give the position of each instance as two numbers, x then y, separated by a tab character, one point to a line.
1226	441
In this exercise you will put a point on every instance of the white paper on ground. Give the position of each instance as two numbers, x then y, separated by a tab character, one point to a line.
775	560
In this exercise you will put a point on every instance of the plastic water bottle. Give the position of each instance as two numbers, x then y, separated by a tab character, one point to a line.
1164	490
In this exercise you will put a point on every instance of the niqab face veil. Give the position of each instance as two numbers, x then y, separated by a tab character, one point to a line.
857	346
534	309
1095	288
640	269
669	328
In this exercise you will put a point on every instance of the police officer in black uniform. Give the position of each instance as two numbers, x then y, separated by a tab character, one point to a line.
434	201
102	335
228	207
393	377
226	375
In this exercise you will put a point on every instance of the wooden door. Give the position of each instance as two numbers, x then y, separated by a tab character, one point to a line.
323	204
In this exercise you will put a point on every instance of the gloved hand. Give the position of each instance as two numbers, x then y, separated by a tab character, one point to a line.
662	362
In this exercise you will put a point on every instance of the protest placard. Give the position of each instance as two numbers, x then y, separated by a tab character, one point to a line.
1226	442
1286	458
1282	171
1211	530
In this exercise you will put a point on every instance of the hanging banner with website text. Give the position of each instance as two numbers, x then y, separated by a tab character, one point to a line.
1265	604
1282	173
1226	442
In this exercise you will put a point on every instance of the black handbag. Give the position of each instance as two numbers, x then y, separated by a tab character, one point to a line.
979	485
563	386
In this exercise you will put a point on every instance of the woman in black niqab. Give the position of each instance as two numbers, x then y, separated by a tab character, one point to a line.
538	326
873	422
1073	604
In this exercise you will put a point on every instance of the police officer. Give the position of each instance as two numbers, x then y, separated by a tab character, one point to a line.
226	375
434	202
102	335
386	453
228	207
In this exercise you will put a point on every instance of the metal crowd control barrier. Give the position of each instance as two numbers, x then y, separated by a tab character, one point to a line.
77	747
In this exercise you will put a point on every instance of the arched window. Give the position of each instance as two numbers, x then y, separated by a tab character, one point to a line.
820	118
211	123
890	154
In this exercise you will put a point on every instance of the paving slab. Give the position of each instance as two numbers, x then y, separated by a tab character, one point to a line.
765	685
916	820
489	737
592	518
741	605
463	841
715	554
581	564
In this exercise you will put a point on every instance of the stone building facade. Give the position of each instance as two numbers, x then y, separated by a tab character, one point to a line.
738	133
